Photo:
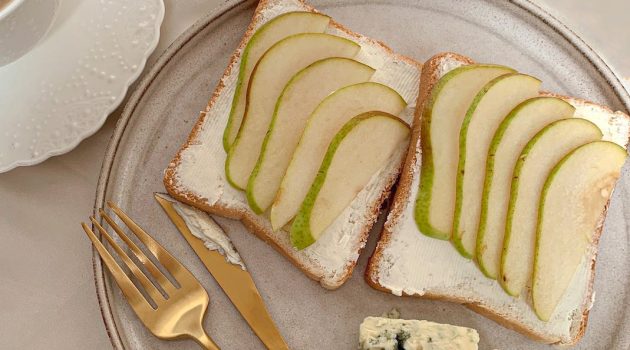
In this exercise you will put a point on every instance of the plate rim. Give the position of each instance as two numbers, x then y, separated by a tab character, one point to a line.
106	113
102	284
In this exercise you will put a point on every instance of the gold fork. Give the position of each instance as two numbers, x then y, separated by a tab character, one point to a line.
178	311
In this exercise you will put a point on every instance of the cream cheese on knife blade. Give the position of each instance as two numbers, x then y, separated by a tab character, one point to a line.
202	226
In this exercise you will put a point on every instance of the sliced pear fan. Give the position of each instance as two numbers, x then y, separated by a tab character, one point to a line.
491	105
296	103
441	122
515	131
268	34
272	72
534	164
327	119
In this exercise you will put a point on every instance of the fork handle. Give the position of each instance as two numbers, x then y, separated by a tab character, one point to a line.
205	341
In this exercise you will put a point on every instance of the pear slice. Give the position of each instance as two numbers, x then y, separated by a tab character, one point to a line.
537	159
571	205
268	34
272	72
327	119
359	150
515	131
491	105
296	103
442	118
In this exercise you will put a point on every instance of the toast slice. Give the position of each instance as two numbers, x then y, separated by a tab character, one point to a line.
409	263
196	175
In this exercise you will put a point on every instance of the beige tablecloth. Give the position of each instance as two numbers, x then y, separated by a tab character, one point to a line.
47	297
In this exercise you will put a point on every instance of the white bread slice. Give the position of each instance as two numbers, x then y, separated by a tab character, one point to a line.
196	175
406	262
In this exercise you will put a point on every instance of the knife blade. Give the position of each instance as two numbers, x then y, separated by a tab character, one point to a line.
235	281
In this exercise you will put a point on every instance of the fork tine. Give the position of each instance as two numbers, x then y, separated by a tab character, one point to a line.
177	270
148	264
133	295
146	283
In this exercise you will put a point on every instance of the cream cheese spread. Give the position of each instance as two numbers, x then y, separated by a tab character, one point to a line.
415	264
201	167
393	334
202	226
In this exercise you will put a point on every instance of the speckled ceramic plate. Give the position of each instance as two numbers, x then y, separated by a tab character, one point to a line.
161	112
62	91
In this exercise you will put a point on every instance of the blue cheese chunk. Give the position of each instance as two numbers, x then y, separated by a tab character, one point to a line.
379	333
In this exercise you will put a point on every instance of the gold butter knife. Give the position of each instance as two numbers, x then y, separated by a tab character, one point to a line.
227	270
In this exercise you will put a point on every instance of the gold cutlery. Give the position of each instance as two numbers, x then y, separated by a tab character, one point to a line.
233	278
175	310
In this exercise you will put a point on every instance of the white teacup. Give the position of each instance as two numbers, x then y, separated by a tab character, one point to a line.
23	23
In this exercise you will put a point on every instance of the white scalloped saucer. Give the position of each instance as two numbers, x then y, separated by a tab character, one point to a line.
63	90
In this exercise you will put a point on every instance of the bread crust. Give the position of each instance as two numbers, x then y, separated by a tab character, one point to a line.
248	218
429	78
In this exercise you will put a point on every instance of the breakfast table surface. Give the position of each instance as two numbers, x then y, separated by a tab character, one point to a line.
47	295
